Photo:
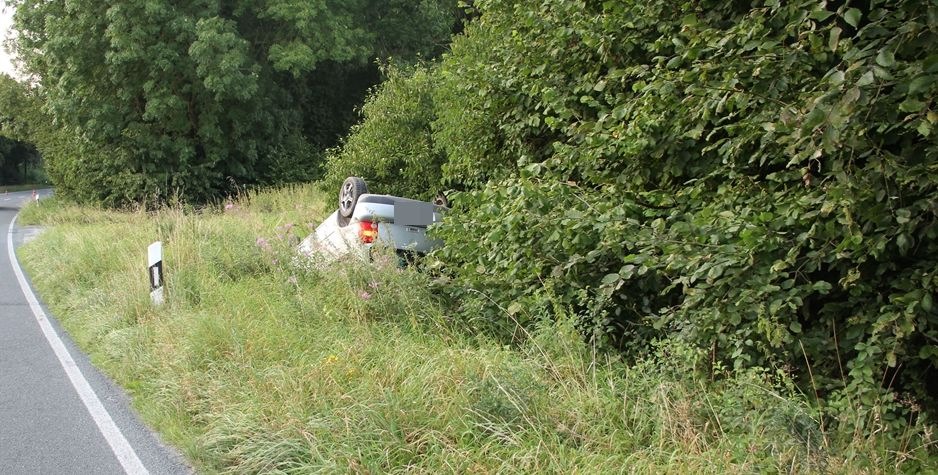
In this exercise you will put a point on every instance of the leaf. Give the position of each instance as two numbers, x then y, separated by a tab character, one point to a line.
920	83
924	128
814	118
627	271
837	78
903	215
834	39
821	287
902	240
882	73
927	351
926	302
930	64
715	273
852	95
795	327
821	15
866	79
694	133
911	105
852	17
885	58
610	279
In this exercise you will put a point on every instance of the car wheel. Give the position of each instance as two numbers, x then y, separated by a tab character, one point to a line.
352	188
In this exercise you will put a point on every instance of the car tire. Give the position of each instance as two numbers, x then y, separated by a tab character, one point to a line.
352	188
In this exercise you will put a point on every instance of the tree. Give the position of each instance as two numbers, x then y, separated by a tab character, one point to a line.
393	146
19	160
189	98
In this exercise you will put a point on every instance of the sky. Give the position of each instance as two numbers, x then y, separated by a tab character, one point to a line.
5	21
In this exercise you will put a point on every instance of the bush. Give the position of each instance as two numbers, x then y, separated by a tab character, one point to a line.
392	148
756	179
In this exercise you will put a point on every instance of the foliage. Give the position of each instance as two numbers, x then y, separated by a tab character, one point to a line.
256	364
20	162
756	179
474	103
18	109
392	148
184	100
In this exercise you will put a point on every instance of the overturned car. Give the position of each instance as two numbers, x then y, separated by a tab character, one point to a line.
364	220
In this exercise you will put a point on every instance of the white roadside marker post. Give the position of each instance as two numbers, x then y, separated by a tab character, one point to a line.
155	269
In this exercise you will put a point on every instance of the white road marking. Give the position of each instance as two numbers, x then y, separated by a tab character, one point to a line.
122	450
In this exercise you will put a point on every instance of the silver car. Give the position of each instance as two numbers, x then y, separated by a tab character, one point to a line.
364	220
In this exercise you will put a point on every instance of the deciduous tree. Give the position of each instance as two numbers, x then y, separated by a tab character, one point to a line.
188	97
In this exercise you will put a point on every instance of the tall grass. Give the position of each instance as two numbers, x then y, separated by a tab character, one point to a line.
260	362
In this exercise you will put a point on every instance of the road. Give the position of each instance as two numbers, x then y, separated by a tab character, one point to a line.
58	414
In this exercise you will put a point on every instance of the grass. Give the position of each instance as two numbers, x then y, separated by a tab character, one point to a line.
262	363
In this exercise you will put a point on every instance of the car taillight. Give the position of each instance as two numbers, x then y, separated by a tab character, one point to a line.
367	231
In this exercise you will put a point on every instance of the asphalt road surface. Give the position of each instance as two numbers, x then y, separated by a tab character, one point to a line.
58	414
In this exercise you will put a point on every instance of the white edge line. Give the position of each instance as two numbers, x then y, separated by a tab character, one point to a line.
122	450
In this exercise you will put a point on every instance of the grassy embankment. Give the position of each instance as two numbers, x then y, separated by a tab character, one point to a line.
256	366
